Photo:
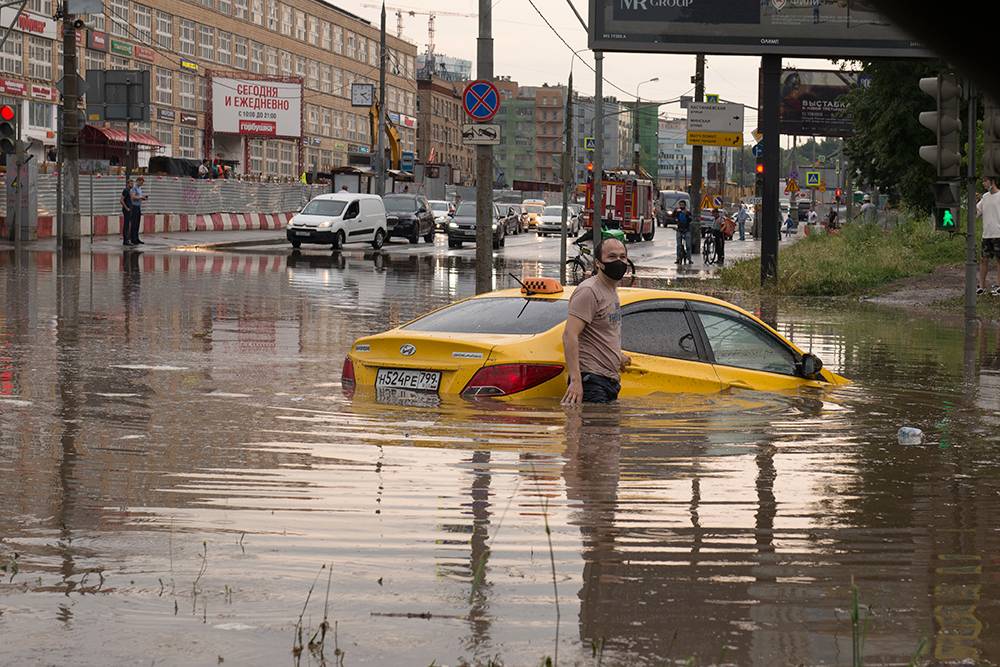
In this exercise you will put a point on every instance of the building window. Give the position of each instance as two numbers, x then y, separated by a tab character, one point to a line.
187	87
272	15
324	32
142	16
240	52
12	55
338	39
206	42
326	122
312	78
40	58
325	83
165	31
271	157
93	59
300	66
272	62
186	141
256	58
119	63
257	11
118	14
202	93
286	20
373	58
187	38
313	29
362	49
300	26
256	156
43	7
287	167
338	82
164	87
351	45
313	119
225	47
286	63
225	7
164	133
40	115
240	9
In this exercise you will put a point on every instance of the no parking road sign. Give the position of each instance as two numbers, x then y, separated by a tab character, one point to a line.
481	100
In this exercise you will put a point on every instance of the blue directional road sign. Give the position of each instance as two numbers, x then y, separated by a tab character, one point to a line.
758	149
481	100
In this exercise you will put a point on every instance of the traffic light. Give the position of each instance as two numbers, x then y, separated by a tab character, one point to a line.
838	193
759	169
946	205
8	129
945	123
991	138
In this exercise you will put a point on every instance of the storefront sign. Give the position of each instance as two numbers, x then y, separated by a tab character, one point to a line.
267	108
42	91
188	119
98	41
187	64
33	24
166	114
9	87
142	53
121	48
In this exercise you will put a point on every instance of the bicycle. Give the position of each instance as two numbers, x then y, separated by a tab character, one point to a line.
582	266
709	248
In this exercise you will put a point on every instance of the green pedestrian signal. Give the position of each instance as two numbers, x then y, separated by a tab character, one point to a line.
945	220
946	205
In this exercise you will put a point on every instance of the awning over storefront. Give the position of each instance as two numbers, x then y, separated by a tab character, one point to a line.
107	135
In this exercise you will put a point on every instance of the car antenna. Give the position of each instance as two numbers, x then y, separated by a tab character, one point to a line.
527	290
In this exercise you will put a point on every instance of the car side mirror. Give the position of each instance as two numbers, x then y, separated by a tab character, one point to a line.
810	366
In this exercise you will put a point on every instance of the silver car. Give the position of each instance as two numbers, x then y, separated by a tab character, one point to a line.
550	221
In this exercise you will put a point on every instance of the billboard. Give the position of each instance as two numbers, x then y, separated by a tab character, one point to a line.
821	28
813	104
257	108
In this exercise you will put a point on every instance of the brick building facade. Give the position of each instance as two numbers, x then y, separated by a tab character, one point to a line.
439	127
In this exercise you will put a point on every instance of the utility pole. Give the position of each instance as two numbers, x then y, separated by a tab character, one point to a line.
70	137
382	111
597	192
696	157
770	126
970	216
567	177
484	160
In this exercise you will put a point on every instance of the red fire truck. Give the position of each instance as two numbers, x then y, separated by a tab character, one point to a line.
628	205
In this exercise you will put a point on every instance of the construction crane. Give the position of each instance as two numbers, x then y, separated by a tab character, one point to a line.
431	14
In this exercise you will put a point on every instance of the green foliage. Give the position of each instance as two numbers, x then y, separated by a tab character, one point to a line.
860	258
888	134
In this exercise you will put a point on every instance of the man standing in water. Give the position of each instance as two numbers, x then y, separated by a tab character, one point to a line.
593	335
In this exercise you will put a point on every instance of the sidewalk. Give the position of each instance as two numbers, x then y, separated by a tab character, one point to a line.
169	241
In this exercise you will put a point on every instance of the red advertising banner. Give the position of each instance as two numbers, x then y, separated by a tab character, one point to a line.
97	41
143	53
13	87
260	128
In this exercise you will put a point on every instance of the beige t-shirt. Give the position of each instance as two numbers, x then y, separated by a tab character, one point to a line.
601	339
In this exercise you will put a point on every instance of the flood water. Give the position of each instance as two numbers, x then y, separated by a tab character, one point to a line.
179	468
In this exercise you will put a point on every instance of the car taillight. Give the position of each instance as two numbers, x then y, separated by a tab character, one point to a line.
507	379
347	376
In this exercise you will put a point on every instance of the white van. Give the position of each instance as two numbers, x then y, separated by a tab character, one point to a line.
336	219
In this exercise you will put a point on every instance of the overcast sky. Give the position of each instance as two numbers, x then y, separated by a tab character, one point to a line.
530	53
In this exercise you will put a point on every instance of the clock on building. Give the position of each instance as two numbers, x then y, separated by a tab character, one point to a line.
362	94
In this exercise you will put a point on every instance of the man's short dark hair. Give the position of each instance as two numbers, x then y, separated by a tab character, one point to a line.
599	250
995	180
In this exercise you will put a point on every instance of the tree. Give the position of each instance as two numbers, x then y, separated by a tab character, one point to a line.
888	135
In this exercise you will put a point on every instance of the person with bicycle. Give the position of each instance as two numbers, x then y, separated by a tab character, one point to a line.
593	336
718	236
683	218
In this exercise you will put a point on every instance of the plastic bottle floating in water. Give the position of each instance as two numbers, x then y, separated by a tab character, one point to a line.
909	435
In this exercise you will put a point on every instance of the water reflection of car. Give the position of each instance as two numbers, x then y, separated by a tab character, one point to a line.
462	228
339	218
551	222
442	211
410	217
509	343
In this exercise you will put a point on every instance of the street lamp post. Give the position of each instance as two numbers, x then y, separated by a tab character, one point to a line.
638	147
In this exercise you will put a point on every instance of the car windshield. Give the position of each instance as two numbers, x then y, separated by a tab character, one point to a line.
534	208
400	204
671	201
495	315
439	205
329	207
466	210
553	210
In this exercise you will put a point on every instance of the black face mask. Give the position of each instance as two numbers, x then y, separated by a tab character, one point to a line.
615	270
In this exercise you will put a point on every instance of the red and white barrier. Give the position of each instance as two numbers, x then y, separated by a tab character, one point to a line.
162	223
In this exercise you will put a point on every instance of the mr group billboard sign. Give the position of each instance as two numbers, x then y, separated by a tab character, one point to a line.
257	108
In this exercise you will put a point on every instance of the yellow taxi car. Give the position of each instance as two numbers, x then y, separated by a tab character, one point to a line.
533	211
508	345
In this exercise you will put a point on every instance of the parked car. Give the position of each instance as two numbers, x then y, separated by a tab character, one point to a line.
462	228
803	210
667	202
533	209
336	219
409	216
551	222
442	211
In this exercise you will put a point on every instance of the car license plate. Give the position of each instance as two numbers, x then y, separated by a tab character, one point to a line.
401	378
303	233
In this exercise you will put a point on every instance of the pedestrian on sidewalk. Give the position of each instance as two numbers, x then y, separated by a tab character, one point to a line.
137	197
593	335
988	208
742	216
720	237
203	169
126	203
869	212
813	216
682	217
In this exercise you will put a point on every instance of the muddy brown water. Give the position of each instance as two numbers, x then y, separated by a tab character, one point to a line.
178	467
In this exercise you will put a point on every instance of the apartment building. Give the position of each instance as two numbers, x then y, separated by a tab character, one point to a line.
439	127
185	43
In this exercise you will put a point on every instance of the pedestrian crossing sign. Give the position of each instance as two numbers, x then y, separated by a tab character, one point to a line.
589	144
813	179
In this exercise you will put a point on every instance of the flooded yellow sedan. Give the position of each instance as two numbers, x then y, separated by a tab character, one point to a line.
508	344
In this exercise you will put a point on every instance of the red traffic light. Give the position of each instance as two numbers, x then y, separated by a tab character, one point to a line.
839	193
759	168
7	112
590	166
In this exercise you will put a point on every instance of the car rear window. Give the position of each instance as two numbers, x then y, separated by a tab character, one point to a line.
400	204
499	315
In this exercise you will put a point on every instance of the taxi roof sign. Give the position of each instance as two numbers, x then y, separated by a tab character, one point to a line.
540	285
